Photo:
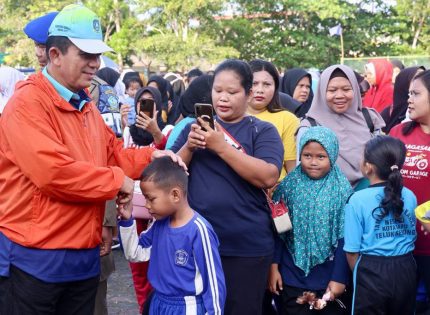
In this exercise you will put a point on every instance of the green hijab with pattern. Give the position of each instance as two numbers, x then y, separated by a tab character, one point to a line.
316	205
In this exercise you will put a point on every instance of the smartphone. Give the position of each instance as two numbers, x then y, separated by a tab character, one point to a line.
147	107
206	112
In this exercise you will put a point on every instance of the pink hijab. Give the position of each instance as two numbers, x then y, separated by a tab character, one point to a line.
350	127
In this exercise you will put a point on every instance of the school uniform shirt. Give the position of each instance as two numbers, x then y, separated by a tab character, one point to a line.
366	234
416	174
286	123
236	209
184	261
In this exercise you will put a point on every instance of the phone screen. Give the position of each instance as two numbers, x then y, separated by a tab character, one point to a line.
205	111
147	107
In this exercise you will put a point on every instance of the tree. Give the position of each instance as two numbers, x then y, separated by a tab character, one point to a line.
14	15
415	14
121	27
295	33
175	33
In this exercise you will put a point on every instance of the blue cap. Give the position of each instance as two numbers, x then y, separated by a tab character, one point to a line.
82	26
37	29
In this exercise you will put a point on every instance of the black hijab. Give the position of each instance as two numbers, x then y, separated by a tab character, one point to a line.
163	86
288	84
289	103
140	136
401	95
108	75
199	91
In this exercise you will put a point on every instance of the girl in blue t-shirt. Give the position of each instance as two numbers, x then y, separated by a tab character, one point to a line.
380	233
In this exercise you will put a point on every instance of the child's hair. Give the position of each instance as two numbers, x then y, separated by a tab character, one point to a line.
196	72
133	80
388	154
424	77
263	65
165	174
241	68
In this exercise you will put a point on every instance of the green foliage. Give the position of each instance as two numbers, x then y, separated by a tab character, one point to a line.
14	15
188	33
178	38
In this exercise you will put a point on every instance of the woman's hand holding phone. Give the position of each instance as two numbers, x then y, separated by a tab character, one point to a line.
214	140
195	140
149	124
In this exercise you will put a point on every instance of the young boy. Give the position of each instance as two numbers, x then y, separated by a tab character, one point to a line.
132	85
185	267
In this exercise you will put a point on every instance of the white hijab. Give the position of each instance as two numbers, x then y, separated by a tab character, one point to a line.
8	79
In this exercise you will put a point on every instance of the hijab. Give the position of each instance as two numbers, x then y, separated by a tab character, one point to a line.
111	77
140	136
350	127
8	78
164	87
380	95
316	205
108	75
401	95
289	103
199	91
288	84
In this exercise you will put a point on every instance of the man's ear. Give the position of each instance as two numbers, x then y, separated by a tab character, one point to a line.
55	55
175	194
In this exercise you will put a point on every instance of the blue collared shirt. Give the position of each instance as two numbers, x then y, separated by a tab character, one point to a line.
52	265
78	100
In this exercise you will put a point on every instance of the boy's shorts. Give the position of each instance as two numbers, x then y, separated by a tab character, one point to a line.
184	305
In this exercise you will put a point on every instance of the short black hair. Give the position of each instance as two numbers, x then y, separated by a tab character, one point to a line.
165	174
240	68
61	42
196	72
131	80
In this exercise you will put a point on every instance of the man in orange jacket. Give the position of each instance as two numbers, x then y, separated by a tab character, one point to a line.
59	163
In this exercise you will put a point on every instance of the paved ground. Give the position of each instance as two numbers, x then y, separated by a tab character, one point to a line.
121	297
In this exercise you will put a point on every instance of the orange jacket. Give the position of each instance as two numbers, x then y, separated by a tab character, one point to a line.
58	166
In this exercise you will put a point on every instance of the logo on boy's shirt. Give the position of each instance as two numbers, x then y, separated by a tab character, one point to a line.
181	257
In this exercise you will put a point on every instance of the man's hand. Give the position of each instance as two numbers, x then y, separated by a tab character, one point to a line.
106	245
125	194
175	158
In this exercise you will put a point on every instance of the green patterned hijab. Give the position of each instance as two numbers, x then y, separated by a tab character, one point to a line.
316	206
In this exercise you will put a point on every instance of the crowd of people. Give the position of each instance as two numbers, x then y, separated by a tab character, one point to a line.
90	156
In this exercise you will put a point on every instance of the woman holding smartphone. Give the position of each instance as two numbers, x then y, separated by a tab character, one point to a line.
147	130
229	167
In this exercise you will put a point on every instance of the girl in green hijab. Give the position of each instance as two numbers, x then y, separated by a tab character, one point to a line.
310	256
